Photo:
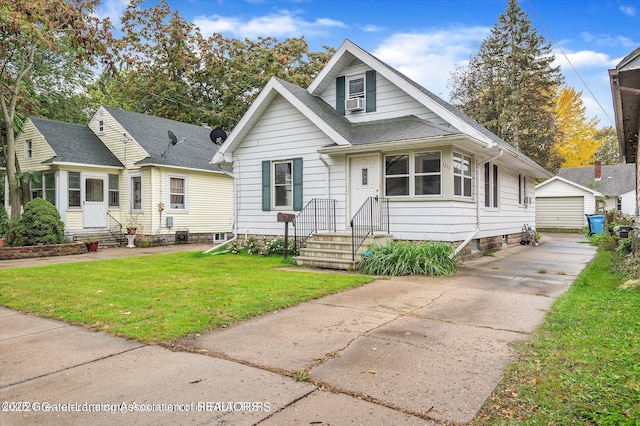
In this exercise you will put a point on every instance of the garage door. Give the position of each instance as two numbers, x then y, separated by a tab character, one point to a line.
560	212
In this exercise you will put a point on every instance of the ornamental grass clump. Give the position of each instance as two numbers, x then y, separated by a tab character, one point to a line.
408	258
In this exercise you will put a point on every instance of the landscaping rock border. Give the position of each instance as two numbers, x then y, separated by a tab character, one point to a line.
24	252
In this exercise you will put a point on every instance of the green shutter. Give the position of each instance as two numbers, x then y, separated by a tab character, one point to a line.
340	95
370	84
266	186
297	184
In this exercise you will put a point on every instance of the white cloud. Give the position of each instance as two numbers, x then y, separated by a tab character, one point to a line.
282	24
628	10
371	28
111	9
583	59
428	58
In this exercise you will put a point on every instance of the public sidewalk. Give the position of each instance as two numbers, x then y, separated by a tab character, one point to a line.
405	351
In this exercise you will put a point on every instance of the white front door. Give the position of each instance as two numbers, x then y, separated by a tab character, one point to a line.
95	201
364	181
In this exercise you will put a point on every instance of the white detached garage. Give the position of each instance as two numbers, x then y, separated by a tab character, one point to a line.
563	204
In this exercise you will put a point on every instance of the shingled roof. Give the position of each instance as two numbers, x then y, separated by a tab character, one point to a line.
616	179
194	149
73	143
368	132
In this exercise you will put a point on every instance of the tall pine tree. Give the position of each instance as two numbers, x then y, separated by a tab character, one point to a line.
509	87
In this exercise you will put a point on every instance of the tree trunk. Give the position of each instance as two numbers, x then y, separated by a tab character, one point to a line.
15	200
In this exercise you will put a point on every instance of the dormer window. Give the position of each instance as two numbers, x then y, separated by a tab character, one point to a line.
100	125
356	87
356	93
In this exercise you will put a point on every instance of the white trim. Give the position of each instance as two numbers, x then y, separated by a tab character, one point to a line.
584	188
263	100
272	182
131	177
412	175
185	194
379	67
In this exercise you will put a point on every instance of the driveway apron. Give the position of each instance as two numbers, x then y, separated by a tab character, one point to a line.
431	347
406	351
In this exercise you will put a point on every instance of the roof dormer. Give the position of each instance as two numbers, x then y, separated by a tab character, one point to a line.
356	93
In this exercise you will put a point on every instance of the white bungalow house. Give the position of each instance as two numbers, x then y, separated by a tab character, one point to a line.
122	170
365	150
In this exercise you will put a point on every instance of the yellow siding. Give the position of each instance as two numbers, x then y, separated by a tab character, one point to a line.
117	140
41	151
209	201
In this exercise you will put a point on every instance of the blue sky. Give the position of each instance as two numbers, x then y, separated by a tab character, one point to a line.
426	39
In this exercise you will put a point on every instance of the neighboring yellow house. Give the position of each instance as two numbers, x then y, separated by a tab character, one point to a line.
123	170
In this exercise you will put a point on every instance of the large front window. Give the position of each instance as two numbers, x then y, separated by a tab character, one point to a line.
416	174
283	184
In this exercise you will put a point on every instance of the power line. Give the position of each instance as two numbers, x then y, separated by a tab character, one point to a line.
569	61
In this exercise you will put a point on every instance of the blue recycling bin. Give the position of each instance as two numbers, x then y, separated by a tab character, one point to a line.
596	223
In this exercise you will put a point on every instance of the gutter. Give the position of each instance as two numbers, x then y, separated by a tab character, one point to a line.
475	231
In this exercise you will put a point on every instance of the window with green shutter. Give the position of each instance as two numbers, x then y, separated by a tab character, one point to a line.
282	185
359	91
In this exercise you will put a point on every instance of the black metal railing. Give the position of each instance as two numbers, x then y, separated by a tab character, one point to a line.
318	215
113	225
372	217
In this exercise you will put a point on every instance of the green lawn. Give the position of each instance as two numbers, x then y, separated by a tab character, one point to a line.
158	298
582	367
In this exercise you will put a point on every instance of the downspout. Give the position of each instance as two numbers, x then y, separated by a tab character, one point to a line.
236	185
328	175
475	231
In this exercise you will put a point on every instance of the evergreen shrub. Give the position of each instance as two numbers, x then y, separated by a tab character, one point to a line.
39	224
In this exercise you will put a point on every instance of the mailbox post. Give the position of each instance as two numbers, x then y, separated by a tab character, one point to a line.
286	218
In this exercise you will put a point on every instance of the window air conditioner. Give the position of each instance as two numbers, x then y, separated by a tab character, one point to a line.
354	104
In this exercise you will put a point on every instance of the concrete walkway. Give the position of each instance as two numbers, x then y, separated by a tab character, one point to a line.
405	351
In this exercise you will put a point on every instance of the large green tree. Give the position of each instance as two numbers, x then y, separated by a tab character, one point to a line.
170	70
509	87
609	149
36	35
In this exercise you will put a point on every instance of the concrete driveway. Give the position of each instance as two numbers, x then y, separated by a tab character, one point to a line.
415	350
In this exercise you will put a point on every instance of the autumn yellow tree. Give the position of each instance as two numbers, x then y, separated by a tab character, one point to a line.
577	142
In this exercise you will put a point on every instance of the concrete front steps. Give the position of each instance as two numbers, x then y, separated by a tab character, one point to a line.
105	238
332	250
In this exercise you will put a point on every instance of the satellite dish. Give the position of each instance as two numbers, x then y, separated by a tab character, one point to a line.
172	138
218	136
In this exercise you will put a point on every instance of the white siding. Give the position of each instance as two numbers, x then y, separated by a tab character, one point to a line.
562	190
628	203
510	216
390	100
283	133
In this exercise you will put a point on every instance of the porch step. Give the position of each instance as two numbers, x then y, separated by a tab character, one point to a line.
106	239
332	250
